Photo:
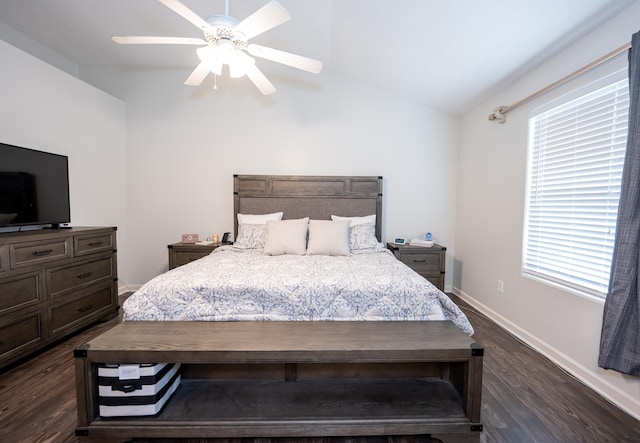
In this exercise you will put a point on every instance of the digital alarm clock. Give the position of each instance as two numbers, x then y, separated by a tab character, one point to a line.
400	241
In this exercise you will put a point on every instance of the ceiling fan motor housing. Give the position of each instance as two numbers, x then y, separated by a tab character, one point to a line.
221	28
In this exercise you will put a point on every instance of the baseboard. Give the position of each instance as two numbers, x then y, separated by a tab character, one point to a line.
610	392
124	288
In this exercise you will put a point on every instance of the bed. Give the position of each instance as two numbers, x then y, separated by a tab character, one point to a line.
307	249
305	327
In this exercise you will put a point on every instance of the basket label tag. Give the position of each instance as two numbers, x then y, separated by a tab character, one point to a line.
129	372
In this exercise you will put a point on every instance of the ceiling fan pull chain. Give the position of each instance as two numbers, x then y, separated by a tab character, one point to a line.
215	82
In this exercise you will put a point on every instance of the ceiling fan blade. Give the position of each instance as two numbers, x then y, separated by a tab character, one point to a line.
185	12
259	79
269	16
142	40
286	58
198	75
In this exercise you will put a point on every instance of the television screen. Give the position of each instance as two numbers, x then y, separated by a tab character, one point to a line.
34	187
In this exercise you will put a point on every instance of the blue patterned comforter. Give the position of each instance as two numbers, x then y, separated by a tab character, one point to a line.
232	285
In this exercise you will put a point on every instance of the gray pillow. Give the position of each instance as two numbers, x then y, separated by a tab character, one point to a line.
328	237
286	237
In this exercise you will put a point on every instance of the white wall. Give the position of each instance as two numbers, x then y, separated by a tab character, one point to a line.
490	209
184	145
46	109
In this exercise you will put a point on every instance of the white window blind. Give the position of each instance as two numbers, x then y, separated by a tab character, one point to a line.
576	155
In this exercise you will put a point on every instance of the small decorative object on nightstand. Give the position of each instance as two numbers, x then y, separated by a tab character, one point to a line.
428	262
189	238
183	253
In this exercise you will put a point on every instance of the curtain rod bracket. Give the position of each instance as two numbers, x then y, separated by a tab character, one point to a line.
499	114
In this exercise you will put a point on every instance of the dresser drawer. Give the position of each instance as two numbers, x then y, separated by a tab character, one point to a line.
35	253
19	334
92	243
20	291
62	279
4	258
80	309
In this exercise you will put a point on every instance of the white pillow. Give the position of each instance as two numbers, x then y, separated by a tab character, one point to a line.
328	237
368	219
261	219
286	237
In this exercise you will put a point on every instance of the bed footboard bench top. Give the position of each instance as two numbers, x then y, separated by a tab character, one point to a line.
286	379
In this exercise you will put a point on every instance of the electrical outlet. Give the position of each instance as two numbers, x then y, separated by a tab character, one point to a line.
500	286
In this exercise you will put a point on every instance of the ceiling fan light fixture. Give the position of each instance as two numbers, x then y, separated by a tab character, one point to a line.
241	65
209	56
227	51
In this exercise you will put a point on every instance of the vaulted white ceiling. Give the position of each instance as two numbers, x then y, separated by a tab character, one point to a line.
449	54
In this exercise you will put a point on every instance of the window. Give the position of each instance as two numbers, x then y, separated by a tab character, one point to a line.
576	154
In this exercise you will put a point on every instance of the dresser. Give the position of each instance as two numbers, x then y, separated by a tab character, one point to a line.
52	283
428	262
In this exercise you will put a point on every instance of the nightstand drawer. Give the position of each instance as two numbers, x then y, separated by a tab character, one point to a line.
422	262
183	253
183	258
428	262
436	280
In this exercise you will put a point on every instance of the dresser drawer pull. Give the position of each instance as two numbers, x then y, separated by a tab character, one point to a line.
85	308
98	243
420	261
43	252
85	275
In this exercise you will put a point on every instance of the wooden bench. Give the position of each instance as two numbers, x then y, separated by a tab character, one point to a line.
293	379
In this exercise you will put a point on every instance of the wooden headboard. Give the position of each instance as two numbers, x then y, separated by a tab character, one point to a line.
316	197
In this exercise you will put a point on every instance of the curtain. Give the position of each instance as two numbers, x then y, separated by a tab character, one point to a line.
620	338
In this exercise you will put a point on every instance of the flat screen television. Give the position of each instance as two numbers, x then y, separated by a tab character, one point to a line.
34	188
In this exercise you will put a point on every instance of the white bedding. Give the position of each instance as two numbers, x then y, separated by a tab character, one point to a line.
232	284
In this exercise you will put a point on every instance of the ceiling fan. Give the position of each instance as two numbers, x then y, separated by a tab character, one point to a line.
226	42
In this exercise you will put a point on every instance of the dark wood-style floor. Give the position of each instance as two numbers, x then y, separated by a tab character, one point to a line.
525	398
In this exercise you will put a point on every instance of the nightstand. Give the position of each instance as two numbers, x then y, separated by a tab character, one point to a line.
428	262
183	253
